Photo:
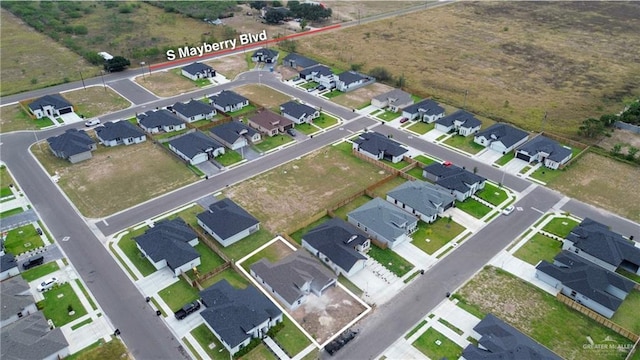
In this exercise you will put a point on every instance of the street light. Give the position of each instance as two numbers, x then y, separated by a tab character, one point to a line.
142	65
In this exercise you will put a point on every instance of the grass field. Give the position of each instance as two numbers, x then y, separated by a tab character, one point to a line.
166	83
545	174
229	157
13	118
492	194
388	115
626	315
464	143
473	208
539	247
291	339
40	271
56	302
229	66
100	350
263	95
415	172
325	120
22	239
96	101
260	352
204	336
178	294
209	260
439	233
128	245
426	343
306	129
421	127
357	98
273	253
560	226
390	260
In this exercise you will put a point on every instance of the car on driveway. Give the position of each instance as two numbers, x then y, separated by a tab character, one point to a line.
321	87
92	122
291	132
33	262
508	210
404	120
47	284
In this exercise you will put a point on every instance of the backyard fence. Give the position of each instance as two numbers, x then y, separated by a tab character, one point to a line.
162	141
626	126
205	239
204	277
212	123
375	162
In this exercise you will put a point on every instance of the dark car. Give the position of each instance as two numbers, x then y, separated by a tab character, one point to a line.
404	120
39	231
321	87
340	341
187	309
291	132
33	262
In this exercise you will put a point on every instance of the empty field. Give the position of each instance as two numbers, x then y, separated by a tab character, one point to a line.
96	101
230	66
166	83
356	98
263	95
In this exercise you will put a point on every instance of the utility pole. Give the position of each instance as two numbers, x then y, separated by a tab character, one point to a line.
464	105
544	119
81	78
142	65
103	84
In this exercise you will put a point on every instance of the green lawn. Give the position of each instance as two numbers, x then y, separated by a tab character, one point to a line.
245	110
325	120
464	143
415	329
424	160
290	338
203	82
86	295
306	128
388	115
309	85
178	294
209	260
5	192
627	314
560	226
439	233
270	142
333	93
81	324
56	302
298	234
204	336
342	211
545	174
229	157
100	350
260	352
11	212
421	127
525	169
426	343
629	275
188	215
506	158
539	247
243	247
399	165
271	253
492	194
233	277
166	135
40	271
473	208
416	172
130	248
390	260
22	239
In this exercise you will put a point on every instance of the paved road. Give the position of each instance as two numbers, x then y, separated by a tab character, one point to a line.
616	222
132	91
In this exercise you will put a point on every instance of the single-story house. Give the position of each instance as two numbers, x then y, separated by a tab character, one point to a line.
596	243
194	110
339	244
270	123
384	222
32	338
169	243
268	56
501	137
50	106
235	135
422	199
16	299
321	74
8	266
227	222
196	70
549	152
155	121
500	340
350	80
395	100
294	277
196	147
585	282
235	316
298	113
426	110
462	122
378	146
118	133
459	181
228	101
73	145
298	61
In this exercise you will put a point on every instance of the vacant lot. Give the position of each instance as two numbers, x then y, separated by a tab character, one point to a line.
116	178
357	98
96	101
516	59
230	66
167	83
354	10
623	137
263	95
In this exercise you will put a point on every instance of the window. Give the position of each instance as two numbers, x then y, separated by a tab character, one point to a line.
573	293
20	314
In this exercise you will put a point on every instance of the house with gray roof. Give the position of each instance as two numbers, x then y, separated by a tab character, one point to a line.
16	299
227	222
228	101
585	282
596	243
194	110
351	80
294	277
8	266
546	151
154	121
196	147
114	133
384	222
340	245
235	135
321	74
422	199
169	243
501	137
379	147
500	340
461	182
298	61
265	55
462	122
426	110
73	145
236	316
270	123
395	100
31	338
298	113
50	106
197	70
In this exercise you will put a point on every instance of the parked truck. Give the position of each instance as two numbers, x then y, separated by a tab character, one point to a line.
187	309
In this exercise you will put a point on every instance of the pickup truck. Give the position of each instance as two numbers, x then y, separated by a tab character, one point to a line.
187	309
340	341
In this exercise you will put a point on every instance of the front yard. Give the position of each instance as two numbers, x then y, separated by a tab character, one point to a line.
390	260
40	271
546	175
55	305
306	128
325	120
179	294
431	237
539	247
14	118
205	337
492	194
473	208
388	115
426	343
272	142
560	226
464	143
421	127
130	249
290	338
229	157
506	158
22	239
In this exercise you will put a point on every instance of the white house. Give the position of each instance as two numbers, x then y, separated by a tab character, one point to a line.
31	337
501	137
462	122
542	149
228	101
426	110
196	147
227	222
155	121
299	113
422	199
379	147
50	106
194	111
384	222
459	181
196	70
321	74
395	100
8	266
350	80
235	135
118	133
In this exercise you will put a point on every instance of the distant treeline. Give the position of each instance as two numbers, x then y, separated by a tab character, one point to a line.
198	9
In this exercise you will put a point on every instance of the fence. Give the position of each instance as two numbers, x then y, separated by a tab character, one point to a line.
216	122
375	162
202	278
565	140
628	127
307	222
205	239
164	140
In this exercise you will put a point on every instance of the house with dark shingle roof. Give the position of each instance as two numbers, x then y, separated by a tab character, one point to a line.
50	106
422	199
384	222
585	282
298	113
228	101
235	135
8	265
118	133
596	243
73	145
227	222
298	61
379	147
270	123
154	121
340	245
294	277
426	110
547	151
500	340
501	137
265	55
194	110
196	147
31	338
235	316
16	300
395	100
169	243
196	70
321	74
459	181
351	80
462	122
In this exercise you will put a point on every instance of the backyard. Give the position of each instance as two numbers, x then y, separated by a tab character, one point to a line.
627	314
272	253
538	248
58	301
431	237
243	247
95	101
298	234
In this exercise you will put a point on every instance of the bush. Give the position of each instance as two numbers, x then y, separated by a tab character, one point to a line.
276	329
381	74
245	350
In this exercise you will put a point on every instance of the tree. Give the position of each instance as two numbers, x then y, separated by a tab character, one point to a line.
631	153
276	3
356	67
257	4
274	16
608	119
591	128
118	63
381	74
616	149
401	81
303	24
632	114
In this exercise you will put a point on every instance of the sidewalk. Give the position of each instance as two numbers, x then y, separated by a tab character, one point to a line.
464	219
521	269
414	255
276	349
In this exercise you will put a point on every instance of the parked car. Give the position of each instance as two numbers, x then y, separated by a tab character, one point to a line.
291	132
508	210
311	89
187	309
47	284
39	231
340	341
404	120
33	262
92	122
321	87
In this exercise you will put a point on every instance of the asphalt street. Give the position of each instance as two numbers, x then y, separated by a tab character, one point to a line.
132	91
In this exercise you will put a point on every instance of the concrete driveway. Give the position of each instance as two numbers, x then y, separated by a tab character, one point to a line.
208	168
514	166
488	156
18	220
432	135
378	283
71	118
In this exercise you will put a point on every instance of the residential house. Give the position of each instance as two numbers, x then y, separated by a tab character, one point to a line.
196	70
156	121
350	80
339	244
379	147
270	123
194	110
73	145
384	222
118	133
235	135
462	122
500	340
422	199
321	74
31	338
293	278
459	181
16	299
395	100
235	316
585	282
298	61
299	113
501	137
227	222
169	243
50	106
228	101
265	55
8	266
596	243
542	149
196	147
426	110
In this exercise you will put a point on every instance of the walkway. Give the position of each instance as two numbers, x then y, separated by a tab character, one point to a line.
276	349
464	219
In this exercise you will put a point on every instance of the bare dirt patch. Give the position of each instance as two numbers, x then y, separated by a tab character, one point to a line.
263	95
359	97
96	101
166	83
623	137
230	66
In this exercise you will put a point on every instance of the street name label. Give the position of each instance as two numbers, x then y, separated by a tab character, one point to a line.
205	48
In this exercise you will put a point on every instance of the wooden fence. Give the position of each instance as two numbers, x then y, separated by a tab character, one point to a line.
210	243
202	278
375	162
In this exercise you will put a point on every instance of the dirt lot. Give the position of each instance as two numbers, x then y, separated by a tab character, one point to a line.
95	101
352	10
230	66
166	83
263	95
359	97
622	137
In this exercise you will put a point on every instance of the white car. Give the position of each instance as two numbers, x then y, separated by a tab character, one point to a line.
92	122
47	284
508	210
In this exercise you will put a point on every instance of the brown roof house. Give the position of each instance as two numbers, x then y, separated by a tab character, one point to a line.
270	123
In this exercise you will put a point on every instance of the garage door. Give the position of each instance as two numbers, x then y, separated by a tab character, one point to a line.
448	206
65	110
523	157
